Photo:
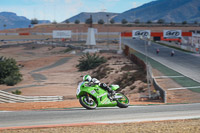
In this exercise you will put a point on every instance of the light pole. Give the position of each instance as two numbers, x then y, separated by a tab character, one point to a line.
120	44
107	31
147	42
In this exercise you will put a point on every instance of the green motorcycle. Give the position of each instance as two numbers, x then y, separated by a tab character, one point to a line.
94	96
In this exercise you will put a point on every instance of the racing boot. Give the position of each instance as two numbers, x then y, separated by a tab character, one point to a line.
111	94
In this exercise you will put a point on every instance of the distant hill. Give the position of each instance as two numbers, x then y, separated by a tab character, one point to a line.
169	10
11	20
95	16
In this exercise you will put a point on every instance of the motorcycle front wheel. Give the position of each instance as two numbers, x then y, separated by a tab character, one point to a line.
122	102
87	102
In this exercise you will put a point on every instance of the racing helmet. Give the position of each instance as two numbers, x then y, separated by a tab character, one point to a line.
87	78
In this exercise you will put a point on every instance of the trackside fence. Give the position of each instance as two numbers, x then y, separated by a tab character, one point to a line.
6	97
163	93
130	53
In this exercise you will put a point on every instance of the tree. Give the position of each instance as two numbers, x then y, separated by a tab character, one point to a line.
4	26
112	21
34	21
124	21
149	22
172	23
9	73
77	21
88	21
67	21
184	22
54	22
196	22
137	21
101	21
161	21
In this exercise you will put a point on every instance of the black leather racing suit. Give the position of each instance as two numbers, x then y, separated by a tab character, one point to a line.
105	87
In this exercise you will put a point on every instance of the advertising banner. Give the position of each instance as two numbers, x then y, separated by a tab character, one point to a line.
141	33
172	33
62	34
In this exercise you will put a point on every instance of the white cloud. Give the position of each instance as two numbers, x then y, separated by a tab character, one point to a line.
112	0
136	4
68	1
51	1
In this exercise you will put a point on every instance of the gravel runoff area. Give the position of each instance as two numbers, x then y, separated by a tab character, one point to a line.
177	126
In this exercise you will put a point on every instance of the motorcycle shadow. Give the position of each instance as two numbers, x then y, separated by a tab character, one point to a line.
83	109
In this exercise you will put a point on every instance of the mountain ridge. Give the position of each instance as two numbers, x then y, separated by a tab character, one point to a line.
10	20
96	16
170	11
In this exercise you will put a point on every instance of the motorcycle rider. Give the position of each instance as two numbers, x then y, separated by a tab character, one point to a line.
94	81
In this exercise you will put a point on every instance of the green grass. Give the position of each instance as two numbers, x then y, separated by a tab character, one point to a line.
183	81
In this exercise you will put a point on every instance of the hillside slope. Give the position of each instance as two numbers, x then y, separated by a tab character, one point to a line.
169	10
95	16
9	20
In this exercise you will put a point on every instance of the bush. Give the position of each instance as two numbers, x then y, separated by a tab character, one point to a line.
67	50
124	21
77	21
161	21
17	92
112	21
90	61
9	72
88	21
101	21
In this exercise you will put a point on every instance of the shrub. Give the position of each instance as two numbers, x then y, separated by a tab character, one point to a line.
77	21
34	21
184	22
17	92
137	21
124	21
67	50
88	21
67	22
149	22
90	61
112	21
161	21
9	72
101	21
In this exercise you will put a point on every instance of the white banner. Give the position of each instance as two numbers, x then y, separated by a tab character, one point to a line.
62	34
172	33
141	33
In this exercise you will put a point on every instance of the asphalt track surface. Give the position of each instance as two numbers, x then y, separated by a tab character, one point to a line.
100	115
185	63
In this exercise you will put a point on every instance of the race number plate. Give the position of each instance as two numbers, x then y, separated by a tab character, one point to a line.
93	92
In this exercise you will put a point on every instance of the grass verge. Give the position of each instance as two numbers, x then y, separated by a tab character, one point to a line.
174	47
183	81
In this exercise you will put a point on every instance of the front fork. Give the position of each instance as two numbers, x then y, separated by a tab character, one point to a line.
87	97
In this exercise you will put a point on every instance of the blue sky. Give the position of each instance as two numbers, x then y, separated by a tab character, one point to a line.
60	10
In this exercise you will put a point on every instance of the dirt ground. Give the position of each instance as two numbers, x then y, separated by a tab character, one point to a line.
41	68
48	71
178	126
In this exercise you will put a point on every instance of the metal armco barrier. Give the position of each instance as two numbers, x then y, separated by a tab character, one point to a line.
6	97
163	93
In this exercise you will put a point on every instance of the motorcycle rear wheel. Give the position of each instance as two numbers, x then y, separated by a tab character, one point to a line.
122	102
91	104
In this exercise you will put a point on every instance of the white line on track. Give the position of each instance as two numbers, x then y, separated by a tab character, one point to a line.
152	119
5	111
